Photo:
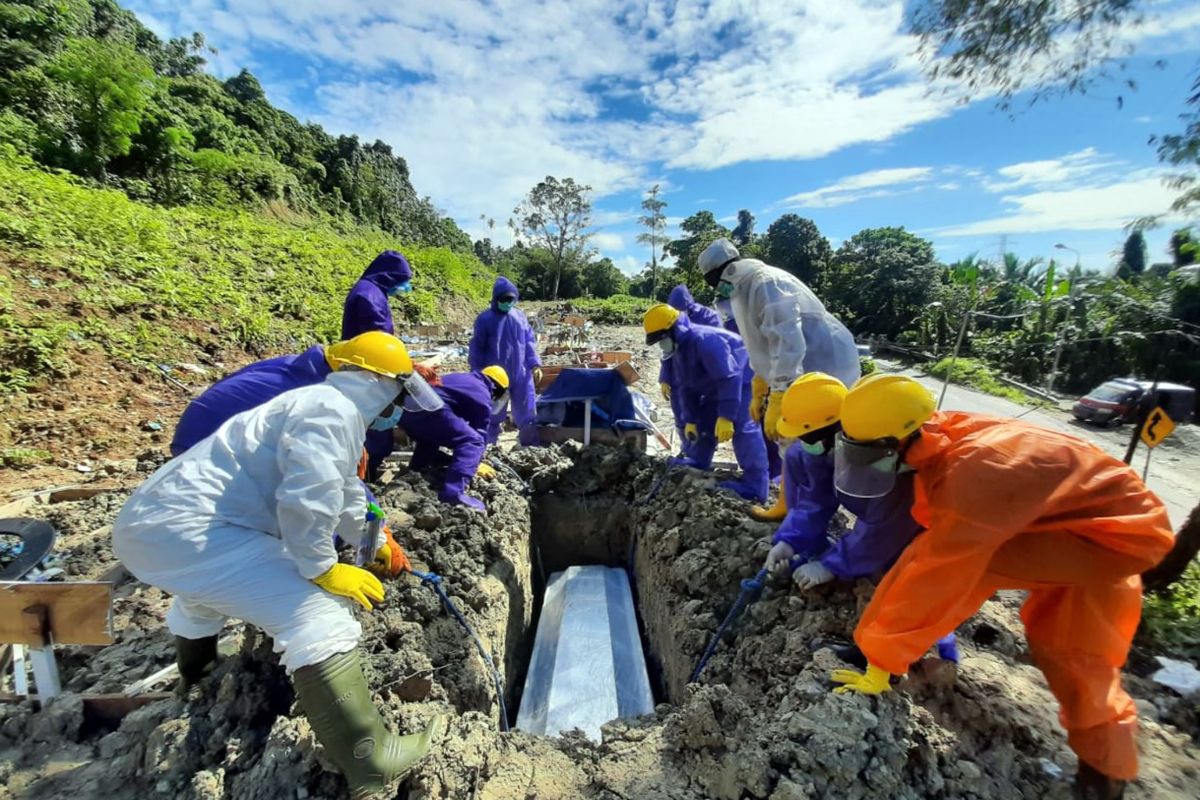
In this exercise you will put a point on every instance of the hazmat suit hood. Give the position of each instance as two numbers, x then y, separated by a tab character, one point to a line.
719	252
500	288
369	392
388	270
681	300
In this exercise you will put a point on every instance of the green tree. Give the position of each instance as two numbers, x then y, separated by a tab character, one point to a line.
795	244
1011	46
1133	258
1183	247
702	229
655	236
882	280
601	278
556	215
110	85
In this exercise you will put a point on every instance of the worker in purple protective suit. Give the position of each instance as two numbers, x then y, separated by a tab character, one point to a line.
884	526
248	388
774	461
503	337
461	426
709	366
681	300
367	309
367	306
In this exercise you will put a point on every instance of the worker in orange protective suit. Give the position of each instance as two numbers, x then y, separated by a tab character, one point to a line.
1008	505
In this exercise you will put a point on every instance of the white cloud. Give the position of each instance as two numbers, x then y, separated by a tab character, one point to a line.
606	241
484	100
630	265
1063	171
1100	207
853	188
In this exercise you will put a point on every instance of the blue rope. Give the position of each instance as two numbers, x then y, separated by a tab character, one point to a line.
658	484
750	590
434	581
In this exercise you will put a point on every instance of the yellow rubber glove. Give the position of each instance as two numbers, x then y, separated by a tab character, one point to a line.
690	432
537	375
485	471
724	429
771	418
354	582
875	681
665	388
758	395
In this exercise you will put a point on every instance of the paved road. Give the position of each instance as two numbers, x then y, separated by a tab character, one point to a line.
1174	467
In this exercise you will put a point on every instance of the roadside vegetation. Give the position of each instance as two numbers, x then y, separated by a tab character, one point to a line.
977	375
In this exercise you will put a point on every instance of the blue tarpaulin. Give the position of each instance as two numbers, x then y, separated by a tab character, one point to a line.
613	404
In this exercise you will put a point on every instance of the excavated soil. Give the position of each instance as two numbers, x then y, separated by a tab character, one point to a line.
760	723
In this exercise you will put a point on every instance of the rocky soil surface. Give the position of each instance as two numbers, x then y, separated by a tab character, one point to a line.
760	723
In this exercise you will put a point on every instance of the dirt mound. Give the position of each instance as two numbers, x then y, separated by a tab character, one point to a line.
760	723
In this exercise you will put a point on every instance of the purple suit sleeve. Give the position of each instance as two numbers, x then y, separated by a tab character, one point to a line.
723	370
812	502
884	528
531	357
477	353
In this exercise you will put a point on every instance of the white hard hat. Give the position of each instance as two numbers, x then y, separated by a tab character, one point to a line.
717	254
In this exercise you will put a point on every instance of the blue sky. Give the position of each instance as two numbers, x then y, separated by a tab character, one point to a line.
817	108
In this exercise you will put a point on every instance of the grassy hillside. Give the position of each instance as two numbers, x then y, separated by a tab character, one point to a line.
94	284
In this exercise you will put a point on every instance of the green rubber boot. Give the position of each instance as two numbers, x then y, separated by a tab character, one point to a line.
195	659
335	698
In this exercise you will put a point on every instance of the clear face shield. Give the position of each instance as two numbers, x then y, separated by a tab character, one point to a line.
419	395
498	403
864	470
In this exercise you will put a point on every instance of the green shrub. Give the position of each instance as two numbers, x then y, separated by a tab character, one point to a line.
147	283
977	375
867	365
23	457
1171	619
620	309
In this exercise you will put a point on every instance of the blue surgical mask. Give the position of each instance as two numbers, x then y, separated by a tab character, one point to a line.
725	289
505	306
816	449
400	288
390	421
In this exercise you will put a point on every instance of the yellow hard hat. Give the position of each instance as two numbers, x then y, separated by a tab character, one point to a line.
374	351
812	402
659	320
497	373
884	406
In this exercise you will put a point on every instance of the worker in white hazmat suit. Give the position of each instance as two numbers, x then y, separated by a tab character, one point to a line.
240	526
786	328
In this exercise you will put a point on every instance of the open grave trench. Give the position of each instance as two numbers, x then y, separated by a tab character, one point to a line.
760	723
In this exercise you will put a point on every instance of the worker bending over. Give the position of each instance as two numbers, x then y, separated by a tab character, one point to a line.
724	310
470	400
883	526
1008	505
681	300
787	330
503	337
240	526
709	363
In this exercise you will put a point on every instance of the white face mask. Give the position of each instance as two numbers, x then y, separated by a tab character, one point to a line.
667	346
499	403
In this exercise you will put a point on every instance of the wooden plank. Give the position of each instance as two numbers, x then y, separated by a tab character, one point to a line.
76	613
